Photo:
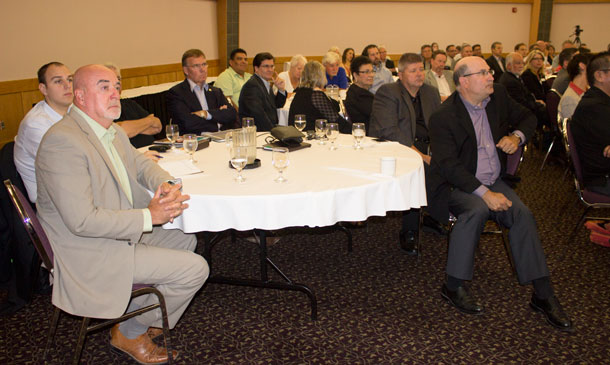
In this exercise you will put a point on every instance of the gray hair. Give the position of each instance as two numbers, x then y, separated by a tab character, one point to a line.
407	59
460	70
510	58
334	49
314	75
297	60
113	67
331	57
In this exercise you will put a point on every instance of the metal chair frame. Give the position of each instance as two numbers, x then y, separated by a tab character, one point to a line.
556	129
39	238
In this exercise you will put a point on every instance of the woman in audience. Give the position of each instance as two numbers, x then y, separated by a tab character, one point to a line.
534	73
346	61
311	100
577	70
292	77
434	46
550	50
335	75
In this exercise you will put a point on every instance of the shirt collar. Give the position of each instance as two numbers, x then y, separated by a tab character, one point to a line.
193	85
99	131
267	84
575	87
474	108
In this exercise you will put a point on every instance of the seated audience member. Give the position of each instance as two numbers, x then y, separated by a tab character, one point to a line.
401	112
194	105
496	62
346	61
55	83
438	77
565	45
292	77
335	75
311	100
477	51
382	74
550	55
534	74
471	134
562	80
516	89
426	54
139	125
434	46
465	51
452	51
104	226
231	80
590	126
257	99
577	69
359	100
387	61
521	48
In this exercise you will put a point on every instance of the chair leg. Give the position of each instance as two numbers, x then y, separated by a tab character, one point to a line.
547	153
580	222
165	323
509	252
52	330
81	340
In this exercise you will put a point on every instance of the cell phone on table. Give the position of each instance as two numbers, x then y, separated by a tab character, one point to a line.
159	148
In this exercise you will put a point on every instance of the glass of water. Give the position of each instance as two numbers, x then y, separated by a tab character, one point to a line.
358	131
320	130
189	142
332	132
300	121
280	161
172	132
239	159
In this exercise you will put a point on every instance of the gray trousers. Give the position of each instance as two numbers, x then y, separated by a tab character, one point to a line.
472	213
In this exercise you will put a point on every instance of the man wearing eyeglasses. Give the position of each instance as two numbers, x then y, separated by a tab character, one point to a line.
196	106
258	100
471	134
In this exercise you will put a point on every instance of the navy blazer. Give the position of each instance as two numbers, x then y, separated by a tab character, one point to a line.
256	102
181	102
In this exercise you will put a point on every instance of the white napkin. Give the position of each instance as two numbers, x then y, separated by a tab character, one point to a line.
179	168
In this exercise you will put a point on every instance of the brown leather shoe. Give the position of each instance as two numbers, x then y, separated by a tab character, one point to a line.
141	349
154	332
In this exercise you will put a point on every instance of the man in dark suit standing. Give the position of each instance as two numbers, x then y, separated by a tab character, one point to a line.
471	134
401	111
193	104
257	99
496	61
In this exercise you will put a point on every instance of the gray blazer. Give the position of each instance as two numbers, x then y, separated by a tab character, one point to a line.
92	226
431	80
393	115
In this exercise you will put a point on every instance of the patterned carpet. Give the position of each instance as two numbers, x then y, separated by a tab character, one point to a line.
376	305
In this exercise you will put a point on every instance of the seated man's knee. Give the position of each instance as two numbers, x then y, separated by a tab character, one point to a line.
478	212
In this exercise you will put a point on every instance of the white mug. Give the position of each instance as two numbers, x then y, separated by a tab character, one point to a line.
388	166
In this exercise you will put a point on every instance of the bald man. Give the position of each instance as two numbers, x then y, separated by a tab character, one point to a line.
104	227
470	136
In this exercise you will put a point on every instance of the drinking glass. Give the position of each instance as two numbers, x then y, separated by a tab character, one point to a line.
229	142
239	158
247	122
358	131
300	121
320	130
280	161
332	132
189	142
172	133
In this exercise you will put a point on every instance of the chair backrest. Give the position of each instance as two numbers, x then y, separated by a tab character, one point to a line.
552	104
32	224
574	156
513	161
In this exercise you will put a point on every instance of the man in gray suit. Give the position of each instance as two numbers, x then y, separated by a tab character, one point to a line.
104	227
401	111
438	77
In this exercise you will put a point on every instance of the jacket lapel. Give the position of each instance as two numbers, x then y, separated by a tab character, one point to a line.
493	118
261	84
407	100
463	117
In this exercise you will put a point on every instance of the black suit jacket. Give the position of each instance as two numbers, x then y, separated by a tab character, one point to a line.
181	102
517	90
454	144
493	64
359	104
256	102
534	85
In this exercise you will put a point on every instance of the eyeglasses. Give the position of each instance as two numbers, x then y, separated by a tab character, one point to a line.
537	59
367	72
483	73
267	66
198	65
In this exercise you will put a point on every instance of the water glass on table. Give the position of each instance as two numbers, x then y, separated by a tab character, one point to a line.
172	132
300	121
320	130
280	161
332	132
359	132
189	142
239	159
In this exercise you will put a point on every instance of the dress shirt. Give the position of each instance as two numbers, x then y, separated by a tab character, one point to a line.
443	85
31	130
382	76
500	60
106	137
200	93
230	82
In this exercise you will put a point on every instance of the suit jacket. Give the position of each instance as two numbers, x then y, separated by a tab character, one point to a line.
256	102
517	90
393	115
534	85
359	104
493	64
92	226
181	102
430	79
454	144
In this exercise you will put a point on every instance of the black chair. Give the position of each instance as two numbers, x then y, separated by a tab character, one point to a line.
43	246
552	105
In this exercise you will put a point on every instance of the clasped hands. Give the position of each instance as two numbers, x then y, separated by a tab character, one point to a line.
167	203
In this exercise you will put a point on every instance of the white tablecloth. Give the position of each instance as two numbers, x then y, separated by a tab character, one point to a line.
324	187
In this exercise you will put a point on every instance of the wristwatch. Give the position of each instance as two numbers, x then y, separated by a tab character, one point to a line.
518	136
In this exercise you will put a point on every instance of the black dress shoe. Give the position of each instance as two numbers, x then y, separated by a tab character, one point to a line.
433	226
462	300
408	242
553	312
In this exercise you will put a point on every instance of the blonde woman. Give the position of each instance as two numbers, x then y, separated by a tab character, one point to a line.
292	77
533	76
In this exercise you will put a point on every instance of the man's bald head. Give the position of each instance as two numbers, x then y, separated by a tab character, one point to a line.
97	93
473	79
